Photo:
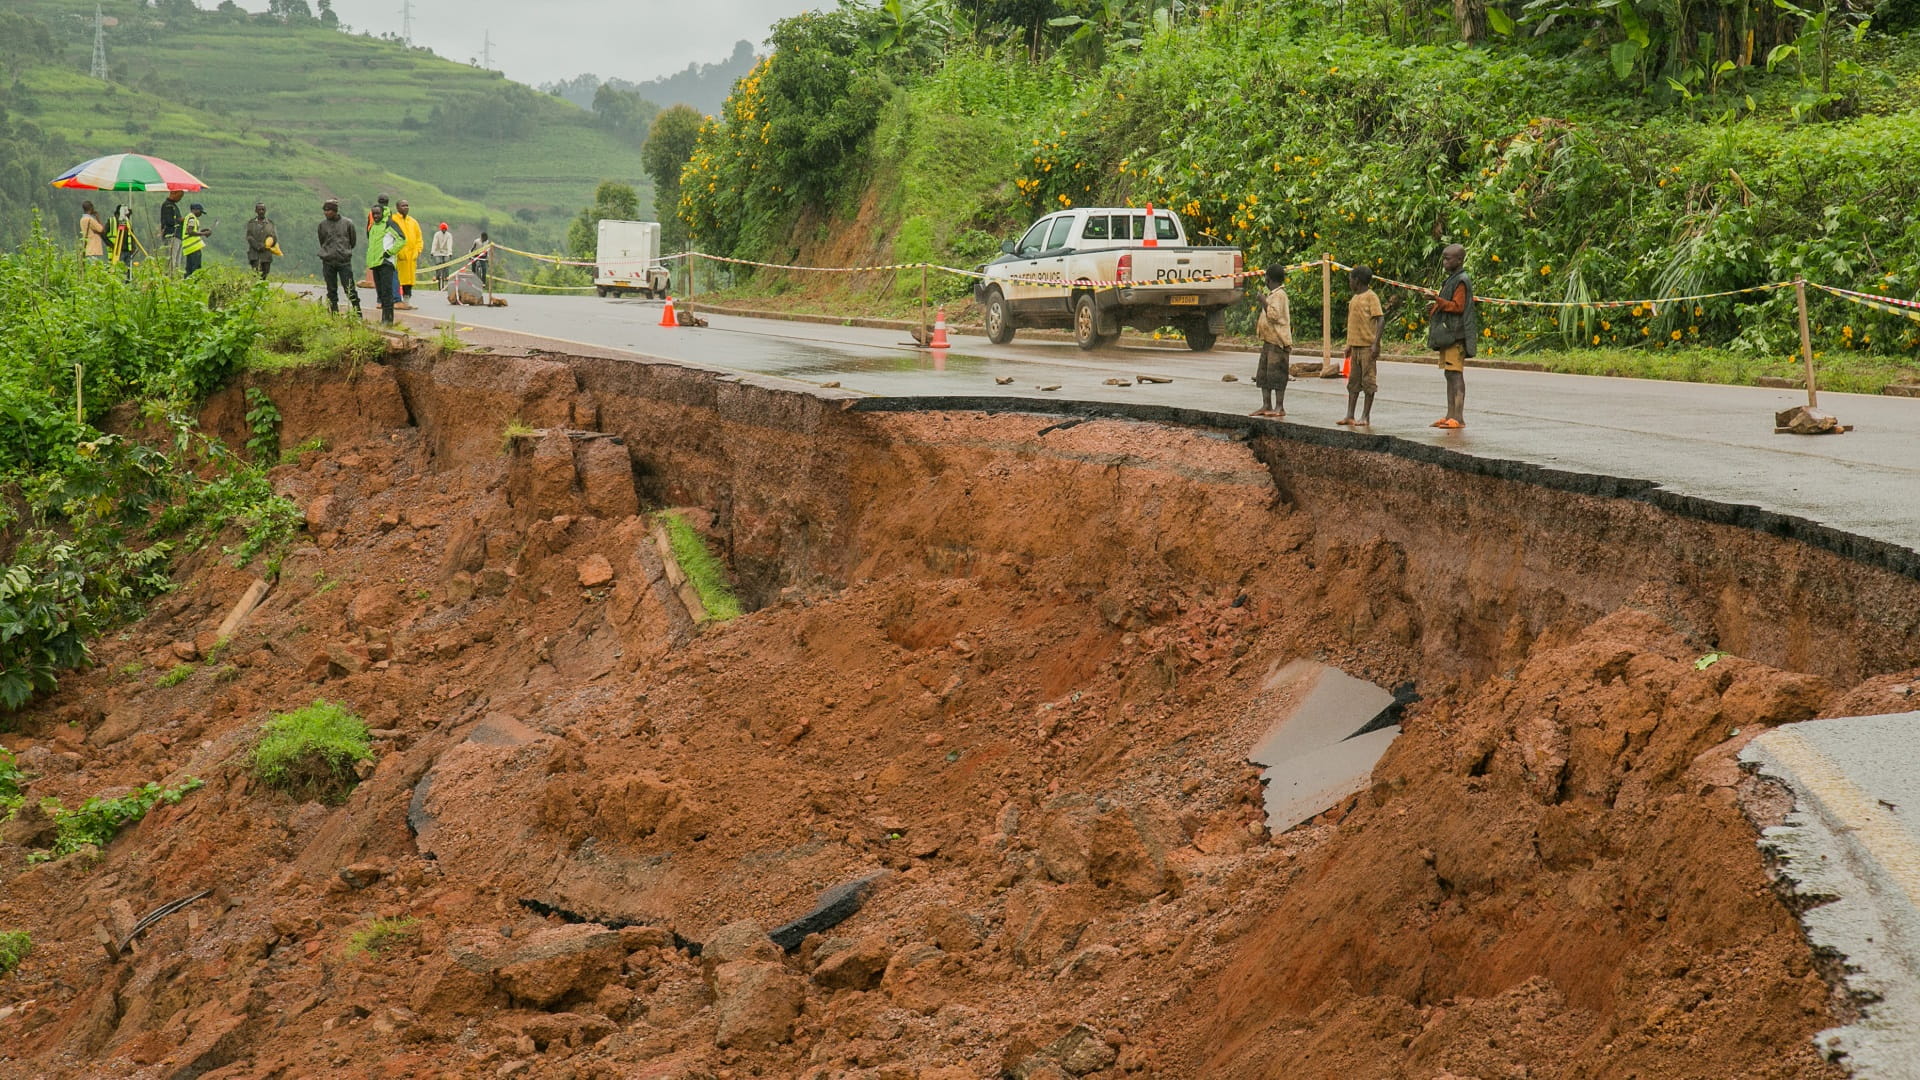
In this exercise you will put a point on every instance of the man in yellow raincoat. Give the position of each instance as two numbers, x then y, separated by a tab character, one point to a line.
408	257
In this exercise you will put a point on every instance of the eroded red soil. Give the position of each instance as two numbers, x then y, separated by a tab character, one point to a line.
1014	675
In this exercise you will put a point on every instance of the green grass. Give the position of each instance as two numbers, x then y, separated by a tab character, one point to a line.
177	674
11	780
99	820
379	934
14	947
704	569
299	333
1840	372
516	429
310	752
293	114
447	338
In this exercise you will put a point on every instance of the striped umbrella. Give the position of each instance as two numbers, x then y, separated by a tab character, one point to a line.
128	172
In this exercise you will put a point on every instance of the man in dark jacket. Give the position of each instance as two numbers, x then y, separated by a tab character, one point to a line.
171	223
261	241
337	241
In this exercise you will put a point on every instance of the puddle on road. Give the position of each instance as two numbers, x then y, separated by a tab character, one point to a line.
1323	747
798	358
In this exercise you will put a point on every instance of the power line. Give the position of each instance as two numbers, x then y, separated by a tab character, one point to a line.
99	45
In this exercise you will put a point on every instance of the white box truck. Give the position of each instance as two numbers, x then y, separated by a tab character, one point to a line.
627	259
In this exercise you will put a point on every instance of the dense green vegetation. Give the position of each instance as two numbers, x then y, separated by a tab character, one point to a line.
14	947
310	752
11	782
91	519
291	110
1579	151
99	820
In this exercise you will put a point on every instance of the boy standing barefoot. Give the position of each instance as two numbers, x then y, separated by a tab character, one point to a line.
1453	325
1365	318
1275	328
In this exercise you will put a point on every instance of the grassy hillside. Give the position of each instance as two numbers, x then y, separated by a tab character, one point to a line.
294	113
240	168
1276	128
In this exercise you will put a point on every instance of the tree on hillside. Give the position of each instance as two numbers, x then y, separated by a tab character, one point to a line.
1022	20
623	112
611	200
327	18
579	89
23	41
290	11
703	86
28	156
823	94
669	145
506	111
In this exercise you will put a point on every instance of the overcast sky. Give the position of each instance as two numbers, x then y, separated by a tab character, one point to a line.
558	39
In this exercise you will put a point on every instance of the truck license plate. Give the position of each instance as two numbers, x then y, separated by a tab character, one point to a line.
1184	298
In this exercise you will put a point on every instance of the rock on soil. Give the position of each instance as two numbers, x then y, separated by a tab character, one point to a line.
755	1004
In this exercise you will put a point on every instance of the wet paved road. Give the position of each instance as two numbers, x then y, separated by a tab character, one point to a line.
1715	442
1854	837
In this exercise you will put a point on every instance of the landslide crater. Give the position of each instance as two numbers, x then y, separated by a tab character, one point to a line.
999	678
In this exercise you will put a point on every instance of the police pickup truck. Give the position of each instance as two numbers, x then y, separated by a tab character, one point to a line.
1094	270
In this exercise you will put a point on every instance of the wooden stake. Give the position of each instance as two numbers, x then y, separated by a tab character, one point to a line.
1806	340
925	333
1326	312
79	399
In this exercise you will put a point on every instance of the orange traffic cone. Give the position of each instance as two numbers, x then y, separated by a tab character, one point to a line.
1152	240
939	329
667	318
1346	365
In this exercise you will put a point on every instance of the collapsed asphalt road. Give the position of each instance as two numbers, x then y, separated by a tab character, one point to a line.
1712	442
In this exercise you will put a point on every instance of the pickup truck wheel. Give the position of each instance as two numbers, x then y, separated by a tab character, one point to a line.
1200	336
1086	324
999	319
602	290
